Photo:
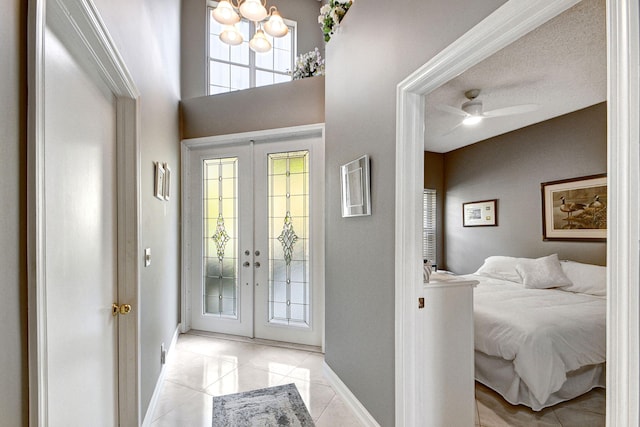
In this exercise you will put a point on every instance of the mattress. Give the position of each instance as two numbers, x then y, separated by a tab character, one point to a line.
546	336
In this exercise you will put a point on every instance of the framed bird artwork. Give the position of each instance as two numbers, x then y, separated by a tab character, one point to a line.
575	209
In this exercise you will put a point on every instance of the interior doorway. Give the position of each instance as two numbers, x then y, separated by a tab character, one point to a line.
504	26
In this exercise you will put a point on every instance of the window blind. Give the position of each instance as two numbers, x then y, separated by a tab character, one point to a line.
429	225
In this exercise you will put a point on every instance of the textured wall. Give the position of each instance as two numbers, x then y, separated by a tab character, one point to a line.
147	34
510	168
13	282
376	47
194	30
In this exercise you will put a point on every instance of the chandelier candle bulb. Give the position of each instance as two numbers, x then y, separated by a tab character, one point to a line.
259	42
231	35
275	26
253	10
225	14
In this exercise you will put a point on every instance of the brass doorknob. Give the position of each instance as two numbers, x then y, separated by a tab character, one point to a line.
120	309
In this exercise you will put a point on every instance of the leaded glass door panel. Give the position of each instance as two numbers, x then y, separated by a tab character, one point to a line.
256	266
289	212
221	271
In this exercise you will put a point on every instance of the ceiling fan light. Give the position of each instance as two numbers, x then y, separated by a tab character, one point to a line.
230	35
225	14
471	120
253	10
275	26
259	42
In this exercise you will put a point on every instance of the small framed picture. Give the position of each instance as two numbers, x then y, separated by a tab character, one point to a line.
167	181
356	193
575	209
480	214
159	181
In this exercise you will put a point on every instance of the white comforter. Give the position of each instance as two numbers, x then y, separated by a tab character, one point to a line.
545	332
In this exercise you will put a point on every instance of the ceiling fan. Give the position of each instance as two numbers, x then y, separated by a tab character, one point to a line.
473	113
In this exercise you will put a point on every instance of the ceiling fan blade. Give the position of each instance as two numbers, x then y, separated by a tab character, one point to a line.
449	109
452	129
515	109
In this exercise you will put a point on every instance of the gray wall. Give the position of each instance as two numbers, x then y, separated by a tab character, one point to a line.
293	103
510	168
13	322
194	31
147	34
434	180
364	66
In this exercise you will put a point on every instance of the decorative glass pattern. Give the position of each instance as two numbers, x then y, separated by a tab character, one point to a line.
288	238
288	203
221	237
220	202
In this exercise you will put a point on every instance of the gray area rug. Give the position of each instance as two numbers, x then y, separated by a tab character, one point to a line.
267	407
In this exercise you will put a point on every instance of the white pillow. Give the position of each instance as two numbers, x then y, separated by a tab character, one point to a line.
585	278
543	273
501	267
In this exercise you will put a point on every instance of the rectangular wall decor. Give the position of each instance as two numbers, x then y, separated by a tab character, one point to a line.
575	209
356	194
480	214
158	190
167	182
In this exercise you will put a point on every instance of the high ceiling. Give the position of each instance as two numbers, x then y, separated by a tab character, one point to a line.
561	66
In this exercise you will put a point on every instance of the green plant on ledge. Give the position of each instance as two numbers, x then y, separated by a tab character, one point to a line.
331	14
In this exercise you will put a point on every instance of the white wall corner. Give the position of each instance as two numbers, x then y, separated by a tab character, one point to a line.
349	398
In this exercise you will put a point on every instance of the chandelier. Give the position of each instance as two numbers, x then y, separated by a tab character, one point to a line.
229	14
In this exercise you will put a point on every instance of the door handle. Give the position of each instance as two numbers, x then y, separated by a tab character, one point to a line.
120	309
246	264
257	264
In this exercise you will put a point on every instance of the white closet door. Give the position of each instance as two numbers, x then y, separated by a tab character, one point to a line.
81	243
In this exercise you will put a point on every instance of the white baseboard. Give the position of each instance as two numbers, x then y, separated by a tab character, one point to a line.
352	402
148	417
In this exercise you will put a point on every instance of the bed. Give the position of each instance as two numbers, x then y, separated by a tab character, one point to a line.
540	329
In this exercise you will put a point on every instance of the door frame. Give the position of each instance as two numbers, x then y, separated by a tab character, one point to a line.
78	24
187	145
507	24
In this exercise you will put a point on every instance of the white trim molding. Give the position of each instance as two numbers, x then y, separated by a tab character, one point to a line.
349	398
507	24
623	254
79	26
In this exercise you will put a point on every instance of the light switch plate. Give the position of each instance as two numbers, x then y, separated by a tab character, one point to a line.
147	257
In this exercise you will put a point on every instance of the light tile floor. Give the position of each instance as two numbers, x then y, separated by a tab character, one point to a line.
203	366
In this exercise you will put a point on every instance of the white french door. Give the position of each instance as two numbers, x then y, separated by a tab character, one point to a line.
256	235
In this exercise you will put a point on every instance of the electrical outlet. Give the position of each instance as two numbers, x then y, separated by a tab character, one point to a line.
163	354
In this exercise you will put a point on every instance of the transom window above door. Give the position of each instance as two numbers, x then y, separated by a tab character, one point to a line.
232	68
